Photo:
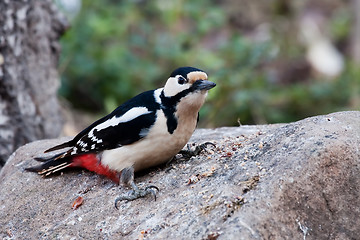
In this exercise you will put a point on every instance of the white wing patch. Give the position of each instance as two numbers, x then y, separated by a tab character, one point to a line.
133	113
93	137
74	151
82	144
144	132
126	117
157	93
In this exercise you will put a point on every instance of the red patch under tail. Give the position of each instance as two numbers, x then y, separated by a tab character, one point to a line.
92	163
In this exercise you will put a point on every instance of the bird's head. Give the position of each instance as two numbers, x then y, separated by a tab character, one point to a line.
186	81
187	87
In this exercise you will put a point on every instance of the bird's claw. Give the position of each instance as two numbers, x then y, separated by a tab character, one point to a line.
137	193
198	149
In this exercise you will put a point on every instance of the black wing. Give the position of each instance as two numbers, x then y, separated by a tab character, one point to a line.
73	142
115	136
109	132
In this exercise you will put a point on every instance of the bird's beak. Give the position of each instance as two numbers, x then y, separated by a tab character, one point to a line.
204	85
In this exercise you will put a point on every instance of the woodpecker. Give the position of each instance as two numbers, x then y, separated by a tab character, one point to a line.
147	130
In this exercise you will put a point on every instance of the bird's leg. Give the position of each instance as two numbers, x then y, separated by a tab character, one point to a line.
187	154
127	178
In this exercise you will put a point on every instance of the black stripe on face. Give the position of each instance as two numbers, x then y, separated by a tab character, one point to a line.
169	107
168	104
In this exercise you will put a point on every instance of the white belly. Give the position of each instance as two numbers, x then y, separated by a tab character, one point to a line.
156	148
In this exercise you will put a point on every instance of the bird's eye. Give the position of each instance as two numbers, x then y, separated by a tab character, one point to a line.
181	80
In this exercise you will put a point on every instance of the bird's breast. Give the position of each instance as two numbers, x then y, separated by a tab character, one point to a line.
157	147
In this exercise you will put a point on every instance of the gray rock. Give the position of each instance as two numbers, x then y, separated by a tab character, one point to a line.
287	181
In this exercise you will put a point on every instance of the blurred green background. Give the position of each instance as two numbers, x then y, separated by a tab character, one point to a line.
273	61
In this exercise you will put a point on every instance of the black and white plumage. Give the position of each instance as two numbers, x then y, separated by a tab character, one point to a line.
145	131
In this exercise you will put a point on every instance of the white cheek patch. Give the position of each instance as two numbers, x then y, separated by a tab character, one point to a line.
172	87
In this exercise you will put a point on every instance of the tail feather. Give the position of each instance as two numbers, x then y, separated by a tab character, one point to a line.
45	159
50	165
60	146
60	161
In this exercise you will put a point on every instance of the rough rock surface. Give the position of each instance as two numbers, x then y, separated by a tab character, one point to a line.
290	181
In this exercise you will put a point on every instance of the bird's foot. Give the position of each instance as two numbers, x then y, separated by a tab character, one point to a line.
188	153
136	193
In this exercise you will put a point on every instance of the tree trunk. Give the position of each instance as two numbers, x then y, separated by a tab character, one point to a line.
29	51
